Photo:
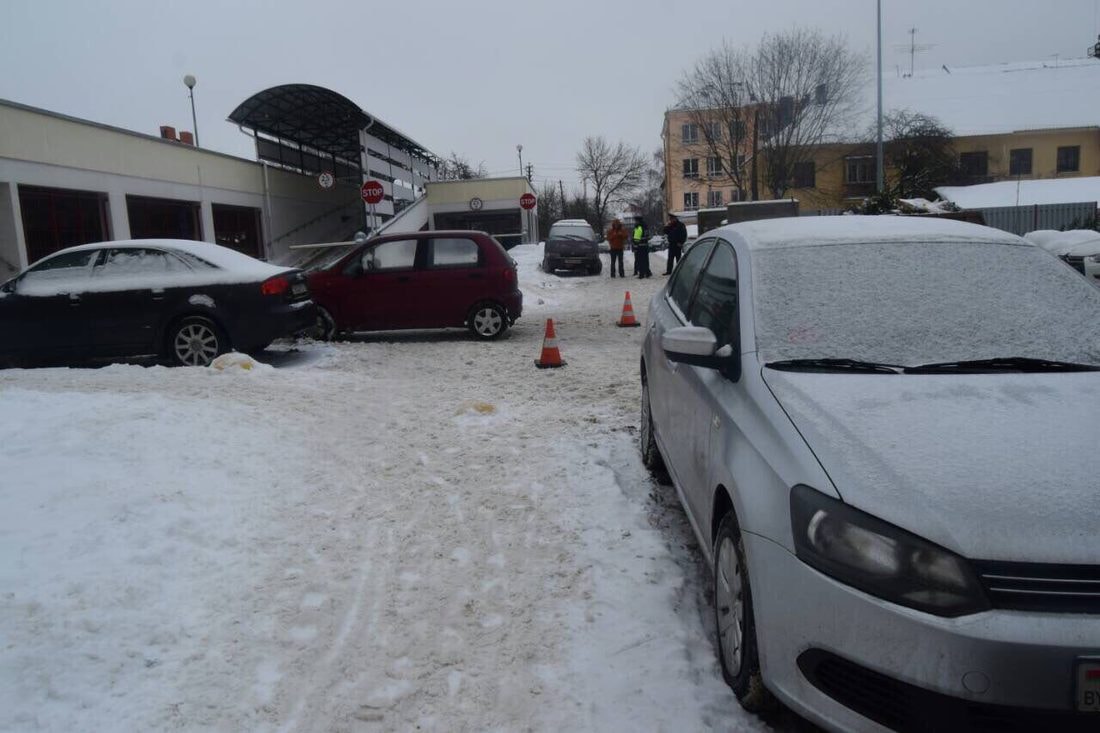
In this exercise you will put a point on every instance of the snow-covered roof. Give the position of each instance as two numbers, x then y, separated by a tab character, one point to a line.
1076	242
977	100
806	231
1024	193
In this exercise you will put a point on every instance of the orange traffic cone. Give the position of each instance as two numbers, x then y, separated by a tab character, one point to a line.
551	357
628	318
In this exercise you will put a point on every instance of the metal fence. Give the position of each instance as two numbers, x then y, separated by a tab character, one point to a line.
1024	219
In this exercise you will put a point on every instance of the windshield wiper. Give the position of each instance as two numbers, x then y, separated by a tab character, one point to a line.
1002	364
834	365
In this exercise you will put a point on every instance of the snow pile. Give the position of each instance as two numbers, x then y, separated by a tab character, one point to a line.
425	532
236	362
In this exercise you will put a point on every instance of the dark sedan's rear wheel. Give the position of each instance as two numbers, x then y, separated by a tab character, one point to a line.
196	341
488	321
735	620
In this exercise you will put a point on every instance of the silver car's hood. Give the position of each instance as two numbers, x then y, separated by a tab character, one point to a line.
992	466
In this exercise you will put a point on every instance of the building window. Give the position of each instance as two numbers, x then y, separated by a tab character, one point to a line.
714	131
691	200
737	129
691	167
56	218
821	94
1069	158
805	174
714	198
1019	162
152	218
238	227
859	169
974	164
735	195
714	166
689	133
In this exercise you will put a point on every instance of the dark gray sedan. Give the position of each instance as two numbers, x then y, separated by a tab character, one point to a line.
182	301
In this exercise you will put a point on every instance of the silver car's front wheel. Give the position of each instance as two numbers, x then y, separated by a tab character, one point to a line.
729	604
736	624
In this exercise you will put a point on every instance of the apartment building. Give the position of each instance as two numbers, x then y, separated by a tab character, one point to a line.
1025	120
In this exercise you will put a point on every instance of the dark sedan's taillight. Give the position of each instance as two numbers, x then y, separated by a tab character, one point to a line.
275	285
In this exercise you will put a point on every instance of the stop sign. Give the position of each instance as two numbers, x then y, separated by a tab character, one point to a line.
527	200
372	192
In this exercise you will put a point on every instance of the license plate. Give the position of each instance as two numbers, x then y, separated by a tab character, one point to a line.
574	261
1088	685
298	288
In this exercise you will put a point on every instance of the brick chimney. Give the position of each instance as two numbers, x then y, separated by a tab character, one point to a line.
187	138
167	132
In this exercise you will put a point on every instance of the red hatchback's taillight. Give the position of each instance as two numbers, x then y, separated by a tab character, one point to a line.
275	286
509	275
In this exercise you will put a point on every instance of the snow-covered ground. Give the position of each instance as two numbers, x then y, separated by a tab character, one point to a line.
407	531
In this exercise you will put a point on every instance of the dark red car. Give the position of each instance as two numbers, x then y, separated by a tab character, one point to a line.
433	279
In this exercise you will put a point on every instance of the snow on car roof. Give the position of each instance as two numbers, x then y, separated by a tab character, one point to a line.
804	231
215	254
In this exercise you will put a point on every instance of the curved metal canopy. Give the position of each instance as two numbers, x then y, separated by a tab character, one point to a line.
318	118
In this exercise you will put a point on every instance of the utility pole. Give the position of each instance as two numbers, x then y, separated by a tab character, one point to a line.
879	176
561	188
529	167
519	152
755	152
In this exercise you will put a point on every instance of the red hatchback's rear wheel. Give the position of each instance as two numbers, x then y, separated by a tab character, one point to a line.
488	321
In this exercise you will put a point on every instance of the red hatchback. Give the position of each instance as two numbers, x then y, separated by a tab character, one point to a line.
434	279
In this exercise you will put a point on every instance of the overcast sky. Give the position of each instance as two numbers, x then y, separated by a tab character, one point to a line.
474	77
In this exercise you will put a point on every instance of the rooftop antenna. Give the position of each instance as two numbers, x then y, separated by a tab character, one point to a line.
913	48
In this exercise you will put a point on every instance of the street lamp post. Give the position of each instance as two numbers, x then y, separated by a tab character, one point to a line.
519	151
189	81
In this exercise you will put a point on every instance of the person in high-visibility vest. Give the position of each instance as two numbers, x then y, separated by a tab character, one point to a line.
641	250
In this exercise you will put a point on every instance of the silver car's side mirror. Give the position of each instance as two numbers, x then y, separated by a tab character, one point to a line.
698	346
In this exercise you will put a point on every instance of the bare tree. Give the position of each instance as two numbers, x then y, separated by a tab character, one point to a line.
550	207
456	167
715	95
615	172
650	200
806	88
919	152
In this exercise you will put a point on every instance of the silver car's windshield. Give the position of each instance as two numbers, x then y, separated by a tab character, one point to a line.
918	303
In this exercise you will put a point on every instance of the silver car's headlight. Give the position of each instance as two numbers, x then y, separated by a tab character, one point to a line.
881	559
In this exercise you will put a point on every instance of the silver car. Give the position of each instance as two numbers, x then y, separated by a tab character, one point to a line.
886	435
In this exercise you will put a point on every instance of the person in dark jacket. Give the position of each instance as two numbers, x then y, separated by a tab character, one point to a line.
641	249
677	234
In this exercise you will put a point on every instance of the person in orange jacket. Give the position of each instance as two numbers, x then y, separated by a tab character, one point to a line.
616	242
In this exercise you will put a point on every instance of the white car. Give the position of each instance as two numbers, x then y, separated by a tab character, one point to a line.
1078	248
885	433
